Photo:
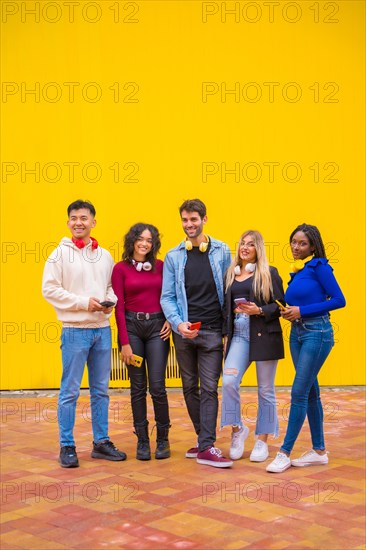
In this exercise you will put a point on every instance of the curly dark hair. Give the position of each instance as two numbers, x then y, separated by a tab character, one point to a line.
131	237
315	239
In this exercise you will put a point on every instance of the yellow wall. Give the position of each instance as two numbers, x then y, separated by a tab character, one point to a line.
133	93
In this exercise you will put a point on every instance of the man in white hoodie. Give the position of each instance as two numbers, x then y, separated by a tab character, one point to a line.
77	282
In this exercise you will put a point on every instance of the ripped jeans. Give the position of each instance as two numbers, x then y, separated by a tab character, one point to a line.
236	364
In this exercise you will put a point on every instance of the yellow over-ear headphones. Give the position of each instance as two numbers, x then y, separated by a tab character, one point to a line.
202	247
298	265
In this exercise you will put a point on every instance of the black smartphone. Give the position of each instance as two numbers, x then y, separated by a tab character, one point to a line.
107	304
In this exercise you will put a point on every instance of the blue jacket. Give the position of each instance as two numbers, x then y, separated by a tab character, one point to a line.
173	297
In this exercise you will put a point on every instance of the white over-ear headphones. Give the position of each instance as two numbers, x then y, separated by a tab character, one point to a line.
249	268
146	266
202	247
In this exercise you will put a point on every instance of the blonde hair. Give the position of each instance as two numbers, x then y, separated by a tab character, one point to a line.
262	281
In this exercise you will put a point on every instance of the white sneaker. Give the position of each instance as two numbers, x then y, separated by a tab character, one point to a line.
281	463
237	443
309	458
259	452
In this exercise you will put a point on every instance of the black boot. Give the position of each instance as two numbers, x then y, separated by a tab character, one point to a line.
162	443
143	451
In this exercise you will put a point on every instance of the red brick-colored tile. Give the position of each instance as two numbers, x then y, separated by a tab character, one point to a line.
177	503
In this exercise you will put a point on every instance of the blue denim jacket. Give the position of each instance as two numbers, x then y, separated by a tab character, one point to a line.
173	297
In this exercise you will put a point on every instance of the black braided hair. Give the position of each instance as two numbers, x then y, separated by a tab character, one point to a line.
315	239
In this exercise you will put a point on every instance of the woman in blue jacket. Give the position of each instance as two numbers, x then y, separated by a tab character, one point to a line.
312	292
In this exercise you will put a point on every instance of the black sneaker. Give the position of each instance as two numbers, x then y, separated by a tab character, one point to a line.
106	450
68	457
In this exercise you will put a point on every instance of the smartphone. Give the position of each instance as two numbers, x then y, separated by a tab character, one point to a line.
107	304
281	305
239	301
137	360
195	326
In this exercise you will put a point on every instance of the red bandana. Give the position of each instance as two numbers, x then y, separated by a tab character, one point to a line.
80	243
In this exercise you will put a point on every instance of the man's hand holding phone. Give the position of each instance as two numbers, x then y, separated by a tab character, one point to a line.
94	305
107	304
189	330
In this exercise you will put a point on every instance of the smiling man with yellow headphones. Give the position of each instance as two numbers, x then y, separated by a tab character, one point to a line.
193	292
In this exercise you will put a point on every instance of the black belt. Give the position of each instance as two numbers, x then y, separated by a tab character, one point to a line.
141	316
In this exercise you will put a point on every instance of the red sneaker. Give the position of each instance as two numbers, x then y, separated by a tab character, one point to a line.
192	452
213	457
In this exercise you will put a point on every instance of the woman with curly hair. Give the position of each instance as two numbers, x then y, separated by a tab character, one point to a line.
143	331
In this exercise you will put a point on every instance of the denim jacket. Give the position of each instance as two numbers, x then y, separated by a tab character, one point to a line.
174	298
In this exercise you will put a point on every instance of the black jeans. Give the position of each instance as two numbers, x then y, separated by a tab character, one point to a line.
145	341
200	364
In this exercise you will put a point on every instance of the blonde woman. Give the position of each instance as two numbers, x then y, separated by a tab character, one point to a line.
253	334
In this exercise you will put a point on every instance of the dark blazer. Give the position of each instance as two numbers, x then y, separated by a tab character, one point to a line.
266	342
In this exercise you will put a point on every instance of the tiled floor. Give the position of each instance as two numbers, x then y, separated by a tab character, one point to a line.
177	503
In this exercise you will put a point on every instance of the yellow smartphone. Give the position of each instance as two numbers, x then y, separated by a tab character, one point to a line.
137	360
281	305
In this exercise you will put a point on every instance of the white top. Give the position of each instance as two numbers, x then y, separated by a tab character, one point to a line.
71	276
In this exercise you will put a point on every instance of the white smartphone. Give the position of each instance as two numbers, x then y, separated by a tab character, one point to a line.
239	301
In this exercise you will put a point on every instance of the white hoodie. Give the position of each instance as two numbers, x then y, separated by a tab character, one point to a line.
71	276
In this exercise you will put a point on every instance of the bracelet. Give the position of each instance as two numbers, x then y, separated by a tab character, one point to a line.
260	310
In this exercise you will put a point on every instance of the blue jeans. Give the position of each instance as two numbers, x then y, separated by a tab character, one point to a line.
236	364
200	364
311	340
80	346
